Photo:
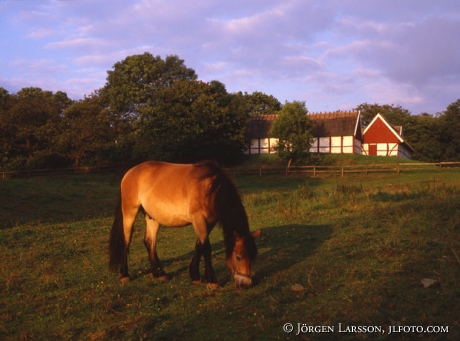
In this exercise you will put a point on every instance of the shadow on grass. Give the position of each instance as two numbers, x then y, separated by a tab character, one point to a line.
280	247
57	199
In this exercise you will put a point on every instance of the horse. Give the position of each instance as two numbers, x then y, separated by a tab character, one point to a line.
177	195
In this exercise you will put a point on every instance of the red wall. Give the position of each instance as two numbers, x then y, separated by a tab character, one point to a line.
380	133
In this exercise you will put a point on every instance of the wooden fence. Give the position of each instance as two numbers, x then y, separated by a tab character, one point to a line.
313	171
60	171
316	171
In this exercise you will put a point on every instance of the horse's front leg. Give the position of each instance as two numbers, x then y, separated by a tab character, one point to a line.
209	275
194	268
150	240
203	248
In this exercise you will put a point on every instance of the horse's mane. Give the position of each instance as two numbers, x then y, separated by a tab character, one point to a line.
231	214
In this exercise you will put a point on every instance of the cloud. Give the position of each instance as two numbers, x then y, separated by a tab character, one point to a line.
41	33
76	43
330	53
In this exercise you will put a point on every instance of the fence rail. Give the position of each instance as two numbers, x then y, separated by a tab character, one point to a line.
314	171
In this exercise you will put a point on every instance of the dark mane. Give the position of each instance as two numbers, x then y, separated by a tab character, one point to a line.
231	214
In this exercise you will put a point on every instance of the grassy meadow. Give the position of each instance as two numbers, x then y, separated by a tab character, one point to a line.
334	252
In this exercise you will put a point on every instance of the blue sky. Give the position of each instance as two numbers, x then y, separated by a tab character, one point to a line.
332	54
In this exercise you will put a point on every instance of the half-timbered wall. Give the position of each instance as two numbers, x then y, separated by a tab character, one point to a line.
336	145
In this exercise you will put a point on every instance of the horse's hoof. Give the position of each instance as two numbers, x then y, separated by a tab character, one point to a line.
125	279
162	278
197	281
212	286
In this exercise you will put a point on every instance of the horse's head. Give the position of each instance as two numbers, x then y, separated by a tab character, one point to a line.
239	262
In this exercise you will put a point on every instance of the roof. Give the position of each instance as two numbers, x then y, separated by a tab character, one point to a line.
339	123
259	126
325	124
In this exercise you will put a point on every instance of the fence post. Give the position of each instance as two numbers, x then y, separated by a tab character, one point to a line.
260	171
314	171
342	171
399	170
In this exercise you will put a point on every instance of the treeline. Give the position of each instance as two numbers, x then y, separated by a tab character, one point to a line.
152	108
149	108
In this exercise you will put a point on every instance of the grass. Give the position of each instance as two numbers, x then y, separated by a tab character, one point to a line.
333	250
321	160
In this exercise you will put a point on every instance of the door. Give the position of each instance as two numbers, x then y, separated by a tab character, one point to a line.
372	149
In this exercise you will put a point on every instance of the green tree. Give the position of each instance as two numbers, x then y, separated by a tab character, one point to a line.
86	131
30	120
293	129
5	127
192	120
136	81
449	132
396	115
261	104
164	113
422	132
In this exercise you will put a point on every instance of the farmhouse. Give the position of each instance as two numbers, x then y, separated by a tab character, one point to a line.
381	138
335	132
338	132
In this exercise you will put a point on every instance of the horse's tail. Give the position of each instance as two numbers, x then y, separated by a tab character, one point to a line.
117	239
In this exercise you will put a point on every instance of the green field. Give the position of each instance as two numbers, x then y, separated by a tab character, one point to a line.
334	253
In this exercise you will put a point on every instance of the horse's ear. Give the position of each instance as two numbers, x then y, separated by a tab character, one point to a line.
256	233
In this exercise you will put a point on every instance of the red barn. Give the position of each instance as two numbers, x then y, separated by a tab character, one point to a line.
381	138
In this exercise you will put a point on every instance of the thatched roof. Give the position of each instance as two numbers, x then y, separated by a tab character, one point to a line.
259	126
340	123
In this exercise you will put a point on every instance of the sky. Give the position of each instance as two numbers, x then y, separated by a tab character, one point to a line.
330	54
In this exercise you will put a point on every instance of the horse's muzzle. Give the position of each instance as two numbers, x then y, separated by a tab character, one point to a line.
242	281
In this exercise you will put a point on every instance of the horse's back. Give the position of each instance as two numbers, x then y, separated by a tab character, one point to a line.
169	193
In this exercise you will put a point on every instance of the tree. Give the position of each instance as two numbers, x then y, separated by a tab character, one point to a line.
166	114
261	104
422	133
396	115
136	81
30	120
449	132
85	131
292	127
192	120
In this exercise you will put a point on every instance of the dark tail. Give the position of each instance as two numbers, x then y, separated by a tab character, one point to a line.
117	240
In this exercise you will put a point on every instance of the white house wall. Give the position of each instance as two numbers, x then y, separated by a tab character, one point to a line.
262	146
336	145
383	149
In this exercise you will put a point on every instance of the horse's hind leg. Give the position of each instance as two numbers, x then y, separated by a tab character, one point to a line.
128	227
150	239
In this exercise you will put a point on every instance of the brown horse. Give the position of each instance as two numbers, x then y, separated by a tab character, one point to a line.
178	195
